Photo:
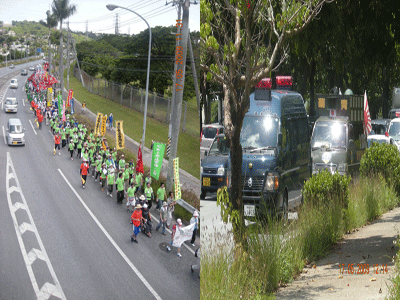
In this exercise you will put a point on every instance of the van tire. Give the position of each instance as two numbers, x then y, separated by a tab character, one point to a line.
203	194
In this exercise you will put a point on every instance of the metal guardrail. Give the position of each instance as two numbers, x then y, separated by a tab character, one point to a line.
187	206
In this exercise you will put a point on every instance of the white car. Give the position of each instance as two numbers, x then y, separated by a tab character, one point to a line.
14	83
208	134
394	131
11	105
379	138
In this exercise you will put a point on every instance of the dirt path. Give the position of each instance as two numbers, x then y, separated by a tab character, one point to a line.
372	244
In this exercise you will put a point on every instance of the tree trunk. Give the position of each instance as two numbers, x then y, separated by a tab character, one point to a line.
61	67
385	92
312	87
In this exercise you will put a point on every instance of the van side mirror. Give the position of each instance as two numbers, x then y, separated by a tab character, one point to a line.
24	129
280	137
205	153
351	144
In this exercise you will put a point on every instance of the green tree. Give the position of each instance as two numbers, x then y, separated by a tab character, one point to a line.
246	43
62	10
50	22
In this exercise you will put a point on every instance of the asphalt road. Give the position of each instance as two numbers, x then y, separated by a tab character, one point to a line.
59	240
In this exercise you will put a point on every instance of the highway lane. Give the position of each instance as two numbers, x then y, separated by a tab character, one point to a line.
85	262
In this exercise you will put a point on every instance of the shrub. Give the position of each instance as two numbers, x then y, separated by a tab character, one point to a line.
382	159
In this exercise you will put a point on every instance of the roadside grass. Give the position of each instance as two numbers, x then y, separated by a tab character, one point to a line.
3	64
394	289
188	146
278	251
188	196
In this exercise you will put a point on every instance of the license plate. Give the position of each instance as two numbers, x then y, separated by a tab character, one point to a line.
14	142
249	210
206	181
8	110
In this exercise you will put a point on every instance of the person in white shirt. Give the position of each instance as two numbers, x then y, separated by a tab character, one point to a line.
194	219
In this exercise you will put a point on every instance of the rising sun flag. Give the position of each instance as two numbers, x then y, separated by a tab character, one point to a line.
367	116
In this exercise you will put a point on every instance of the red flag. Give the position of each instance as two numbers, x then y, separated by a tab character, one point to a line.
367	116
139	165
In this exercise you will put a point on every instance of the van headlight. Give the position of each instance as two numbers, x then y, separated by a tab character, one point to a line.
201	170
271	182
221	171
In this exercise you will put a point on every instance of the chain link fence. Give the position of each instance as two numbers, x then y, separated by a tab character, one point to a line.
158	107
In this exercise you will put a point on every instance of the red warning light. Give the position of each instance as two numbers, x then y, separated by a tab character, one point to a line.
265	83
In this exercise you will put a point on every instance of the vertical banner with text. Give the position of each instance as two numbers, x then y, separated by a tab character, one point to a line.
178	194
49	96
60	105
70	94
157	159
103	125
72	106
97	125
120	135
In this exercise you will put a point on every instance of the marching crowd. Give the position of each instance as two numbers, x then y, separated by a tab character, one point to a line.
109	169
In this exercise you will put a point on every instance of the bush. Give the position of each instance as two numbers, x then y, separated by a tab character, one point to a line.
324	189
382	159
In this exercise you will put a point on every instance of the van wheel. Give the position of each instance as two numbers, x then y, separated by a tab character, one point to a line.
203	194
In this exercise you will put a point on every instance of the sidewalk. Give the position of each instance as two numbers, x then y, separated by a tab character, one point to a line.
188	181
372	244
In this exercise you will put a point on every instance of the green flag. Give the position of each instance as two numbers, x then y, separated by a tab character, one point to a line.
60	105
157	159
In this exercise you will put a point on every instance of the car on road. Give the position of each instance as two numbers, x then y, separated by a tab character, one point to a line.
24	72
214	166
380	126
12	66
11	105
14	83
15	132
31	68
394	131
379	138
208	134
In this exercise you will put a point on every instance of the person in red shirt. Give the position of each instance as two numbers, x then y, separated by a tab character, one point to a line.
40	120
84	172
57	141
136	218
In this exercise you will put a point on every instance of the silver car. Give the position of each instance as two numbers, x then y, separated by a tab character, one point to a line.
15	132
11	105
208	134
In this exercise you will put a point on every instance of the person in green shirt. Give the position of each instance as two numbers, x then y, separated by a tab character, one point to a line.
161	195
71	148
126	177
121	163
120	187
131	197
139	182
110	181
85	156
148	192
67	130
79	147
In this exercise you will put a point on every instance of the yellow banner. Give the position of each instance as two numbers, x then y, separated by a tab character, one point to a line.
103	125
105	144
120	135
178	194
97	125
49	96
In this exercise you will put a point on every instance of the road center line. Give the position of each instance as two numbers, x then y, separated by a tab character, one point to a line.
32	127
48	289
128	261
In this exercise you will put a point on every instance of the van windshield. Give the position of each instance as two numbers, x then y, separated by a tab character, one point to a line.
394	131
219	147
259	132
11	102
16	128
329	134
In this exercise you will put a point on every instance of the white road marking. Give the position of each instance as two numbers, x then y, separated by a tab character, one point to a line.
23	102
48	289
32	127
128	261
4	135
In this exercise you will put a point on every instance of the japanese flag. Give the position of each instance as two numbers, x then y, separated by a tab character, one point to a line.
367	116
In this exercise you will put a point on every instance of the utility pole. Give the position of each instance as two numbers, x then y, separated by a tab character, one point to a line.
196	84
77	61
180	62
68	63
116	24
86	29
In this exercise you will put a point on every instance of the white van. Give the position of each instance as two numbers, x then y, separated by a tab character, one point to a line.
15	132
11	105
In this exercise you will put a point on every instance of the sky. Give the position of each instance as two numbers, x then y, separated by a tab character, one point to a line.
98	18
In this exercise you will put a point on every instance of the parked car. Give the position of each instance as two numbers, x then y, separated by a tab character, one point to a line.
394	131
380	126
208	134
12	66
24	72
378	138
15	132
214	166
11	105
14	83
